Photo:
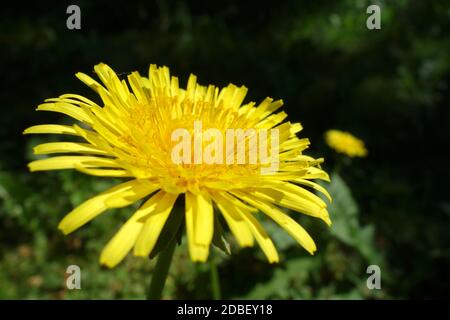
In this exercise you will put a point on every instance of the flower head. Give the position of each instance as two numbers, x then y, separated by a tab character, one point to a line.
136	132
346	143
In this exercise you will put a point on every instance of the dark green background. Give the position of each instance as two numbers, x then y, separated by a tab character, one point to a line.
390	87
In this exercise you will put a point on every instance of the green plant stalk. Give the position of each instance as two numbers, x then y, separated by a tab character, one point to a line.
215	283
161	271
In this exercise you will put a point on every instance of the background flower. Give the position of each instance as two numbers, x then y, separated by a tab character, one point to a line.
346	143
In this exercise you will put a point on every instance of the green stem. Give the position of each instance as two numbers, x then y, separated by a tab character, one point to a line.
215	280
161	271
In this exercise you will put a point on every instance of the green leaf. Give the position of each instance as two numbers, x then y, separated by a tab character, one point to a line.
344	213
172	229
219	239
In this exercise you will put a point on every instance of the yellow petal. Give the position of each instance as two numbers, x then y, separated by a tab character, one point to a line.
105	95
51	128
265	108
104	172
272	120
78	97
154	224
71	162
67	147
94	85
124	194
95	138
67	109
261	236
293	201
238	226
198	252
294	190
295	143
315	186
118	90
135	82
316	173
204	224
286	222
122	242
263	239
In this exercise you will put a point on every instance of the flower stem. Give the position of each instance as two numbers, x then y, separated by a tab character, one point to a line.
161	271
215	280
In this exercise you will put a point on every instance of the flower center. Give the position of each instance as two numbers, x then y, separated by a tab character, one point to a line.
187	144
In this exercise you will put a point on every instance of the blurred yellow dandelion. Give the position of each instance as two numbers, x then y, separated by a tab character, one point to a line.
346	143
130	135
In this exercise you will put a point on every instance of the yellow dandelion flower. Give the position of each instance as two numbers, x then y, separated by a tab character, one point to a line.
131	135
346	143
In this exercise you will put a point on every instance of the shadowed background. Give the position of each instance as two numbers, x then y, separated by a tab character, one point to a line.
389	87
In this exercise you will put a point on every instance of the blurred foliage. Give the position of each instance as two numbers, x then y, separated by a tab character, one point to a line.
388	86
